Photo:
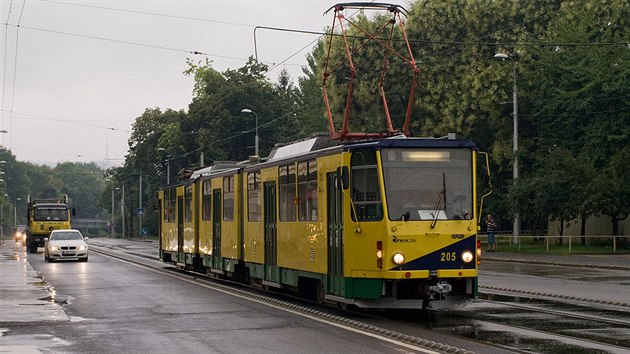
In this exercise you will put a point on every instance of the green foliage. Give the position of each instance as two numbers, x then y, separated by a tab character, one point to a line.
82	182
570	63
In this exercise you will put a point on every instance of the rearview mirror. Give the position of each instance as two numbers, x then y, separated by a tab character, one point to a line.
344	176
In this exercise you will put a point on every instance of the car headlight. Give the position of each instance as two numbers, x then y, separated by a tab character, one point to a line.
467	256
53	248
398	258
82	247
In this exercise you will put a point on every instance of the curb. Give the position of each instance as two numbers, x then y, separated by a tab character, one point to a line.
562	264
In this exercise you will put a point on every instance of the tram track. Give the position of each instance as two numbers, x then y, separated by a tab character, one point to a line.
549	295
316	312
541	325
575	315
481	321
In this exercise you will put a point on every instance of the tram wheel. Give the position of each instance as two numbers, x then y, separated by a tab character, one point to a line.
320	293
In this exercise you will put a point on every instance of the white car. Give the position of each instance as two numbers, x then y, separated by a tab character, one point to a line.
66	244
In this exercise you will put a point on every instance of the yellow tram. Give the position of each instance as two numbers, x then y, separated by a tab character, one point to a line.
387	223
376	220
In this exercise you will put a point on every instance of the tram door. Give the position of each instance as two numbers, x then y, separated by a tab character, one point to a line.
216	230
272	273
181	257
335	235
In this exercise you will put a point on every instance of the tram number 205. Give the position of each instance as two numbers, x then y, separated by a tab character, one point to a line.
448	257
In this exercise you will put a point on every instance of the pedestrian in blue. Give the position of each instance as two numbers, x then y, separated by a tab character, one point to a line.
491	228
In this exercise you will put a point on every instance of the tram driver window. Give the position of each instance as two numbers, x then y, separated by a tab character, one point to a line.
366	195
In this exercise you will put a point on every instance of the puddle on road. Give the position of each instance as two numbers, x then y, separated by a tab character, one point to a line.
582	308
31	343
58	299
528	335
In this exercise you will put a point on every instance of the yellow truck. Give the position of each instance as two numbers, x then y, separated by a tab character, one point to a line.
43	216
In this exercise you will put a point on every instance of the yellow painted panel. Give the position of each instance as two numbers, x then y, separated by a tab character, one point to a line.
456	273
366	274
360	241
254	242
415	274
189	238
302	246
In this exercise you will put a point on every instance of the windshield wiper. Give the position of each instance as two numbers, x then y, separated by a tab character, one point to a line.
438	204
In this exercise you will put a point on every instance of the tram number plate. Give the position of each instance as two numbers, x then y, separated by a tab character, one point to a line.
448	256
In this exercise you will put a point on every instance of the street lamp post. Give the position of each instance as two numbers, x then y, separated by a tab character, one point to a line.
111	232
247	110
517	220
15	212
2	215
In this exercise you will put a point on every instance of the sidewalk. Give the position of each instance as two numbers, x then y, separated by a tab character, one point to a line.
604	261
24	295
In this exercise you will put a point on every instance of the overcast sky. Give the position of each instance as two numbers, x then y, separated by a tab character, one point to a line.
76	74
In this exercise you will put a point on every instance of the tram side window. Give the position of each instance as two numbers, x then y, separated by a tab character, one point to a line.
254	209
169	205
228	198
365	189
206	201
286	182
307	190
188	204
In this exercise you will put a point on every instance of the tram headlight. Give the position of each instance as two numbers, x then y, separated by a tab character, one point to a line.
379	254
398	258
467	256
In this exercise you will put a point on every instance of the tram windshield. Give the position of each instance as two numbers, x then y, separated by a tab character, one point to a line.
428	184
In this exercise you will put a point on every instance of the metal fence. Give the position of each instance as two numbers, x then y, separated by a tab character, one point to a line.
567	241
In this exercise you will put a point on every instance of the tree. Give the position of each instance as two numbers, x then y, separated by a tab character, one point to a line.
83	183
579	100
611	188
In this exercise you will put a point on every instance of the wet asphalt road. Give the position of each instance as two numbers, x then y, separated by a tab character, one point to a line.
117	307
112	306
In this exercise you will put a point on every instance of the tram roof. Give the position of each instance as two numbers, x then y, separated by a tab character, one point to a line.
298	148
219	166
322	144
404	142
